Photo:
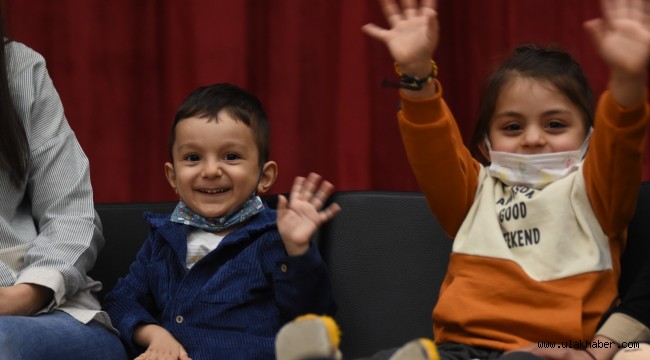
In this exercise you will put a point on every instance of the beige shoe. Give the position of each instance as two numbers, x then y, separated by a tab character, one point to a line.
309	337
420	349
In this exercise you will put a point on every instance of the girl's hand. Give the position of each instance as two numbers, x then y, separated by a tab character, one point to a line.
413	34
622	35
300	216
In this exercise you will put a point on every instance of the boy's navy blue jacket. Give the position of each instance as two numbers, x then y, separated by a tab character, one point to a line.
232	302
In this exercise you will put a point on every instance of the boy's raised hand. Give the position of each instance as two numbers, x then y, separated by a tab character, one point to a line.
413	34
300	216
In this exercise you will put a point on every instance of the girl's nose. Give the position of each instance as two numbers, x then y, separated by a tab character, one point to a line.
533	137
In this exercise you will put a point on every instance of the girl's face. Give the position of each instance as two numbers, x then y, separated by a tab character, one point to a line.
533	117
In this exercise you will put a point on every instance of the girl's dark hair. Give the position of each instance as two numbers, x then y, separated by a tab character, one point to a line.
14	148
548	64
243	106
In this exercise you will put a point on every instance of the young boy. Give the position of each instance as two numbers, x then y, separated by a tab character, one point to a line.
219	276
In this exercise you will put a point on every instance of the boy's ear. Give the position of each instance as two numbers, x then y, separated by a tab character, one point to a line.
269	174
170	174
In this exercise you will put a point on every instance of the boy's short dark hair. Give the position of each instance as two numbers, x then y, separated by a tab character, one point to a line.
208	101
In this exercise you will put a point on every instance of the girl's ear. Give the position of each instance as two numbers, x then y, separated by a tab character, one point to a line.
269	174
482	147
170	174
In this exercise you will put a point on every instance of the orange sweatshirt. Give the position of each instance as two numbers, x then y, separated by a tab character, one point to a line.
527	265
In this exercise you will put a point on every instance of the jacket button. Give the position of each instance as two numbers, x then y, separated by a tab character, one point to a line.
179	319
283	268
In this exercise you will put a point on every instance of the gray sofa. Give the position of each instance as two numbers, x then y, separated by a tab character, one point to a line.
386	253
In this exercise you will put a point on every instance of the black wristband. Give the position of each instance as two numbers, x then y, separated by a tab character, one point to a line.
413	82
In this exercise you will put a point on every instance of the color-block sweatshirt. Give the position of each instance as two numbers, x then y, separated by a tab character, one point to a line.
527	265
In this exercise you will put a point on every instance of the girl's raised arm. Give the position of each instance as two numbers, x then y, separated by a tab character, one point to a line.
622	38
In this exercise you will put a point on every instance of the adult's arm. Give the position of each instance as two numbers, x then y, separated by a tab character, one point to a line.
64	234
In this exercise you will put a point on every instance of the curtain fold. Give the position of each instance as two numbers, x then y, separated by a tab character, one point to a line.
122	67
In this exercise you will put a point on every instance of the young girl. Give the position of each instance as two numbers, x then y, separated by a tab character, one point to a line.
538	232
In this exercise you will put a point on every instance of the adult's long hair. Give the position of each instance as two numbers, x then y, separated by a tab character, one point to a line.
14	149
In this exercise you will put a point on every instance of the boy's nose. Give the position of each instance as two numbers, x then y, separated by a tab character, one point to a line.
212	169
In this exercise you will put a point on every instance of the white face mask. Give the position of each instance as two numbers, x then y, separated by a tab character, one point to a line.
536	170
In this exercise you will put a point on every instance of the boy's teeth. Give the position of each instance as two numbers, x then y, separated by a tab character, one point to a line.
214	191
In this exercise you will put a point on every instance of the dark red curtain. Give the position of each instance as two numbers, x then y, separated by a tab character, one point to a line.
123	66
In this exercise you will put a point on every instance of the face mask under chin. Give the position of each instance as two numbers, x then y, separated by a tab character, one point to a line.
535	171
184	215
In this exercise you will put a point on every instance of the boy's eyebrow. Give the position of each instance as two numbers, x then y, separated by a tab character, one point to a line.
225	143
186	144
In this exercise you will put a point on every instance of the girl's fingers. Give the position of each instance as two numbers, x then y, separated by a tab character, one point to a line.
641	9
611	9
409	8
375	31
596	30
428	4
391	11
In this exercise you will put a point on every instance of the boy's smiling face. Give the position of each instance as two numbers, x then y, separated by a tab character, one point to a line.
215	164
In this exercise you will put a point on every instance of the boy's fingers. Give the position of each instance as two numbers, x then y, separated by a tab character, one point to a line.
324	191
330	212
282	202
183	354
296	189
309	185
